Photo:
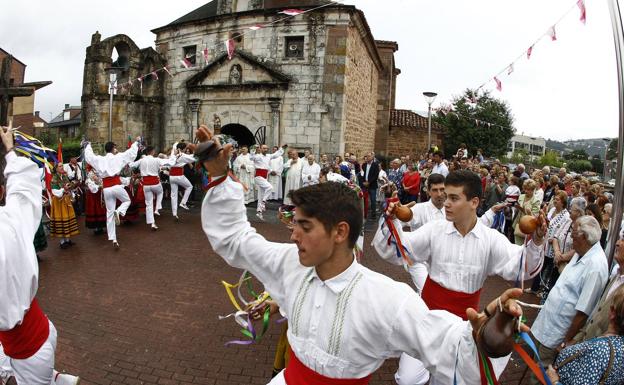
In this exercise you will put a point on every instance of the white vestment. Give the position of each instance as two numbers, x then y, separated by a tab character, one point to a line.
310	173
277	166
244	171
293	178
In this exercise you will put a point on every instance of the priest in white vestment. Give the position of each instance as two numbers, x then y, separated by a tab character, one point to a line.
275	176
293	174
244	170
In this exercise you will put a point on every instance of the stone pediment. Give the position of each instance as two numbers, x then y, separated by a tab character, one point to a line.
242	71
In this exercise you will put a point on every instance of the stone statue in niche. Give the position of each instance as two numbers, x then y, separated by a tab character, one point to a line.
236	74
216	122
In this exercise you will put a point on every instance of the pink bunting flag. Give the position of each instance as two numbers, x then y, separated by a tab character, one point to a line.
186	63
510	69
529	52
166	68
205	52
499	85
229	46
552	33
292	12
154	75
581	5
256	27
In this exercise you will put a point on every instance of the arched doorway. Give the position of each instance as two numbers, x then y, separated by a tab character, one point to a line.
240	133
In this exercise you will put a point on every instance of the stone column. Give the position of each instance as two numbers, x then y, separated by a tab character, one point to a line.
274	135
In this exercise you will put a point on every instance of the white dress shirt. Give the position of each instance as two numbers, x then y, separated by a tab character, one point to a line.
150	166
109	164
19	221
346	326
440	169
310	173
263	162
71	174
461	263
425	212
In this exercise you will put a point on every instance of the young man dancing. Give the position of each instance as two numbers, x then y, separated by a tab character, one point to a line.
177	178
262	164
108	168
27	337
344	319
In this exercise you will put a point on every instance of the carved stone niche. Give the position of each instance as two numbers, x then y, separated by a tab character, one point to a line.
236	74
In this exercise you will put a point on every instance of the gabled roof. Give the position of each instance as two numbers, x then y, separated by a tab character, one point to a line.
280	78
75	118
14	58
407	118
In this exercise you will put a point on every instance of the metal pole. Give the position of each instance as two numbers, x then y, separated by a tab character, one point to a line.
110	111
604	169
429	129
618	38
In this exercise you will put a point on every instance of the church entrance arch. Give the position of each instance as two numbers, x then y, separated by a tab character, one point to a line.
239	133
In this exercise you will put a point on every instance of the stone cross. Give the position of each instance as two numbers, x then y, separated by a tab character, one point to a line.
7	91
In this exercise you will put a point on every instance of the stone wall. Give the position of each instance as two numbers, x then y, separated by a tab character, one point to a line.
385	94
411	140
360	96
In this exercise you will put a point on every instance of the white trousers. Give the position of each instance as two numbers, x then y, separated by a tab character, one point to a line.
35	370
149	192
278	380
183	182
111	196
264	189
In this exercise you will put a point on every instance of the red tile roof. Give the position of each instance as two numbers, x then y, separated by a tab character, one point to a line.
407	118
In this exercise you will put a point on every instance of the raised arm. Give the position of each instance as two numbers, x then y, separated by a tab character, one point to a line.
505	258
416	242
278	153
130	154
91	158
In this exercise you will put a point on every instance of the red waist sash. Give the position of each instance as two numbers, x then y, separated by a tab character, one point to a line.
111	181
262	173
438	297
150	180
24	340
297	373
176	171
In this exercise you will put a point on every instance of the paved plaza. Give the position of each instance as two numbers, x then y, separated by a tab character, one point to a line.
148	313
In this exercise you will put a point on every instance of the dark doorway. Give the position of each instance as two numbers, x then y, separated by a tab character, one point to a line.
240	133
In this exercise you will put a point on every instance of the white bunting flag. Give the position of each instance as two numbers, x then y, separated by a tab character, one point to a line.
552	33
510	69
292	12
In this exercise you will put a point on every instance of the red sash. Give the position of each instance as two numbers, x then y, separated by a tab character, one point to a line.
150	180
262	173
297	373
111	181
24	340
440	298
176	171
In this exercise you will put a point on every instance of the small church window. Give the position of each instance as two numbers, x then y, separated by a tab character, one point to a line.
190	53
294	47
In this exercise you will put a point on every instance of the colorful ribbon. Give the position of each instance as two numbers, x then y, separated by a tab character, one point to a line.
32	148
395	239
536	368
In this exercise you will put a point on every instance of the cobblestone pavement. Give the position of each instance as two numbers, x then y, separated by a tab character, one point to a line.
147	314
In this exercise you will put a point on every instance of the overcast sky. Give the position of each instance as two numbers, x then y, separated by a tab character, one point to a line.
567	90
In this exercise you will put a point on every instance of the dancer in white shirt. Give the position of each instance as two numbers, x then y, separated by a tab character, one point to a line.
293	174
262	164
344	319
177	178
460	252
152	188
244	171
310	172
275	176
108	168
27	337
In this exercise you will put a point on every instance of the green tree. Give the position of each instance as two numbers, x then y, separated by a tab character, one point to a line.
461	126
580	165
550	158
576	155
597	164
612	149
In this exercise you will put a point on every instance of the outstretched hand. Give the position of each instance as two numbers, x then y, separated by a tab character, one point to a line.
497	336
6	133
219	164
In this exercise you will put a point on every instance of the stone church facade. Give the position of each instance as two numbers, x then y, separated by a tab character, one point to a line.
317	81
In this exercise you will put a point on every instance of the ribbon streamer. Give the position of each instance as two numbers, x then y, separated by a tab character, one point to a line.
536	368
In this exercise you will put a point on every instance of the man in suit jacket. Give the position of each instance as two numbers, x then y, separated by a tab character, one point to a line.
599	319
370	173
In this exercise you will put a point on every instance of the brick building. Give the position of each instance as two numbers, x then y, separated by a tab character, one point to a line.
317	81
66	124
408	133
22	110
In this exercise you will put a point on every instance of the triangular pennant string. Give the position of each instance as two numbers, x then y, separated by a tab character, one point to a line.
581	5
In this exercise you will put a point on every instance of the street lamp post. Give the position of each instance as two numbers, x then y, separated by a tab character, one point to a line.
194	104
604	170
429	98
112	80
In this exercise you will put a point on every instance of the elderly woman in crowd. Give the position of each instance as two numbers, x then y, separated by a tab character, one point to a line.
594	210
596	361
528	204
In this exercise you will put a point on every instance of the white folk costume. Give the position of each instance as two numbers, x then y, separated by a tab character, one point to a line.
344	327
293	177
244	170
277	166
28	338
74	172
458	266
310	173
177	179
95	212
108	168
152	188
262	164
